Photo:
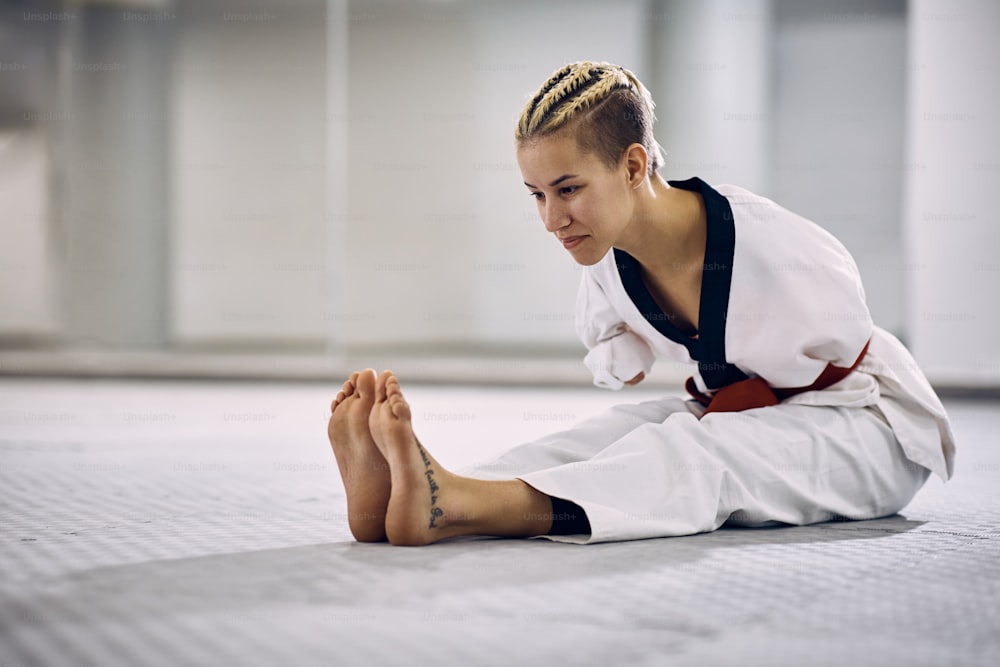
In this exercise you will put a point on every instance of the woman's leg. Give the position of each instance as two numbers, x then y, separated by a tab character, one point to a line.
580	442
428	503
791	464
366	474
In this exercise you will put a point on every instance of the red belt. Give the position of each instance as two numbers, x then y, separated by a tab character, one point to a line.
756	393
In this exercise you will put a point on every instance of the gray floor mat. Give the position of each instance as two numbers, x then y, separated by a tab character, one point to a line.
170	523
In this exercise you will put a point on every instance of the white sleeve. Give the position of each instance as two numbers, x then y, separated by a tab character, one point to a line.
617	354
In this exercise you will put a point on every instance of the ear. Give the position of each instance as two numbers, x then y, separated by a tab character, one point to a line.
635	160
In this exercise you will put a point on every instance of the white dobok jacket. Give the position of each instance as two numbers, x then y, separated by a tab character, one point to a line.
781	302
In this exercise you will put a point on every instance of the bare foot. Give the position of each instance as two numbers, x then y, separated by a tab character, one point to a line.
423	507
363	468
428	503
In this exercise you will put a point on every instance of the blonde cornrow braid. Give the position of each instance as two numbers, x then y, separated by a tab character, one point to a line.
573	89
595	92
544	90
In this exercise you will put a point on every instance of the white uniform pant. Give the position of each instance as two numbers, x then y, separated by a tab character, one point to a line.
655	470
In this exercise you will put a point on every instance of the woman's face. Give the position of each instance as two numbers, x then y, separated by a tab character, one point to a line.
581	201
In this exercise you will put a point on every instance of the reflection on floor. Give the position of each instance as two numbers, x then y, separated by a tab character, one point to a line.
149	523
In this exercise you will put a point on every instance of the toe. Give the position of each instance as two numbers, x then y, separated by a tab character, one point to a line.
350	384
346	390
380	385
365	383
400	408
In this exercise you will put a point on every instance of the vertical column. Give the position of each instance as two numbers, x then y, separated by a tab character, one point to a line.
115	86
337	209
27	114
949	221
712	78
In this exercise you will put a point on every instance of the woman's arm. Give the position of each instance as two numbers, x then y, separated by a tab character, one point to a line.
617	356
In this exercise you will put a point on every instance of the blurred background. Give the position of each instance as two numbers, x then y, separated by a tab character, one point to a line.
277	189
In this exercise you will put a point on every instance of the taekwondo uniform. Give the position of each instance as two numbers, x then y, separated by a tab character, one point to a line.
803	410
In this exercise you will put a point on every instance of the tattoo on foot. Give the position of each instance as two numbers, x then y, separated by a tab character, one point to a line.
436	512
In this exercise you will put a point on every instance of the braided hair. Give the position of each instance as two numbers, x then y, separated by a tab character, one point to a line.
608	106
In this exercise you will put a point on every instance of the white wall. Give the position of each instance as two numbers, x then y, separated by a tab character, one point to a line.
950	218
26	245
525	282
113	183
28	113
838	151
427	236
411	220
249	260
446	246
713	88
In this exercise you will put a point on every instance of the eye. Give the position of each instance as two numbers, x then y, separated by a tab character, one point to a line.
569	189
537	195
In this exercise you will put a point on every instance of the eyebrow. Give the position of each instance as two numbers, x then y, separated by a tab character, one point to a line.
555	182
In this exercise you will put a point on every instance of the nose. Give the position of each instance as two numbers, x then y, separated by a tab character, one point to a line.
554	216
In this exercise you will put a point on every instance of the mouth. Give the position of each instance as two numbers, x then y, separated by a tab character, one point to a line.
571	242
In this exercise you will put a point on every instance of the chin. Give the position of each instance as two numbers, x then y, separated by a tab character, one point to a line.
588	255
587	258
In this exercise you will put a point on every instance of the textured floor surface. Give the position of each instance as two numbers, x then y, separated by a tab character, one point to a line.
153	523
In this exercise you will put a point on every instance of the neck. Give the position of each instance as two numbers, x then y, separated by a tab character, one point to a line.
667	231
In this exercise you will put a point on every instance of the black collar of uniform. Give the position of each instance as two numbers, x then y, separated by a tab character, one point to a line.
709	349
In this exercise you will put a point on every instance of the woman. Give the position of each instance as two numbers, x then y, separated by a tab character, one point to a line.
802	411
